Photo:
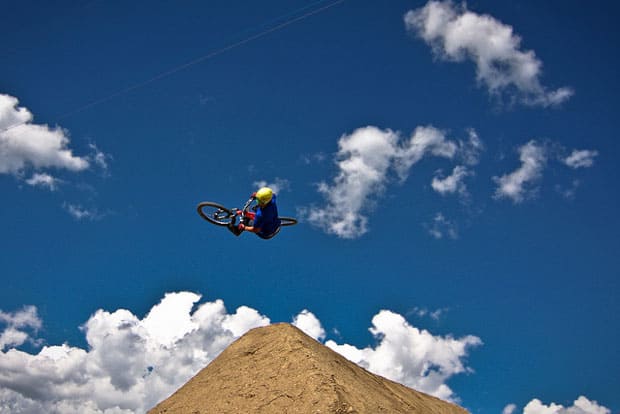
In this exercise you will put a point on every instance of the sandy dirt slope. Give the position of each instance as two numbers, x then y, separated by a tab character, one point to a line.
278	369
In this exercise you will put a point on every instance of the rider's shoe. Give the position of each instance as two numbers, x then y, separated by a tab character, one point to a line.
234	229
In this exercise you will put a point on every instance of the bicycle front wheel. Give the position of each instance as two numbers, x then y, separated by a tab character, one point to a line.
215	213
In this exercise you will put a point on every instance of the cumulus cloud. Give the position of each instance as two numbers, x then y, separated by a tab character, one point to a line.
513	185
308	323
43	180
27	145
454	183
17	325
582	405
278	185
411	356
131	363
365	159
26	317
424	141
457	34
520	184
469	153
580	158
509	409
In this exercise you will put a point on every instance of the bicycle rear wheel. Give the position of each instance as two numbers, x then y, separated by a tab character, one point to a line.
287	221
215	213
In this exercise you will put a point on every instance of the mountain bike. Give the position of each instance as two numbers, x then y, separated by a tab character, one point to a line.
219	215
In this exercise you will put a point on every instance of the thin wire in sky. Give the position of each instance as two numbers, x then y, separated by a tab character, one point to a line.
203	58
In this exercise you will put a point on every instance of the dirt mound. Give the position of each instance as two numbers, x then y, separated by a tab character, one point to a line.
279	369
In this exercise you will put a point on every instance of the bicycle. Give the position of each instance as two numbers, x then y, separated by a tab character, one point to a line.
219	215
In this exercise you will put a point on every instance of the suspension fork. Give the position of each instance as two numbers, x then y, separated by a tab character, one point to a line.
245	215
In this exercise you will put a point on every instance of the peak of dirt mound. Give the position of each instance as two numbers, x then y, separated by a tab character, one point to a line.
278	369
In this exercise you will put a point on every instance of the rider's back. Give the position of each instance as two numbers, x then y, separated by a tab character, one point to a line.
267	218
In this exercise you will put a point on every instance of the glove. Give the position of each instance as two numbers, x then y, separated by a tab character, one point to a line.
241	227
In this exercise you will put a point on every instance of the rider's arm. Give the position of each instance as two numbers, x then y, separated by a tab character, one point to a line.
252	229
257	219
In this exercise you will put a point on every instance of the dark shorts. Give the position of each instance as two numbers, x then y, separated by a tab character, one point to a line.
268	236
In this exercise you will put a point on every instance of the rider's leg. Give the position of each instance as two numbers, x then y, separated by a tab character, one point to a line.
269	236
233	226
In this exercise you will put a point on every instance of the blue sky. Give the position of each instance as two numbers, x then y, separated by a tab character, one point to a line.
452	168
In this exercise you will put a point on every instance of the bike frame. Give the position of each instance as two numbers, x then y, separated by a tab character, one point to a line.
244	213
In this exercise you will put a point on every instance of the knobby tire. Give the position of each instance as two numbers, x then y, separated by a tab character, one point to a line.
213	212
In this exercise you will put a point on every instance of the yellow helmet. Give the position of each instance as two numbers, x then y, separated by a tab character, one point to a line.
264	195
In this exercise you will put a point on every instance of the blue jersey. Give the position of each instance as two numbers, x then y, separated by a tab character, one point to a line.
266	218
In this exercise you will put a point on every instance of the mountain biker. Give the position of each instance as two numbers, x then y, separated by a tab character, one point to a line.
266	223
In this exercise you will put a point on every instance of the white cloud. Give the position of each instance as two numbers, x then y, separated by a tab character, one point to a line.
411	356
16	326
509	409
453	183
131	363
163	321
471	149
437	314
580	158
99	157
441	227
365	159
24	144
469	152
513	185
308	323
316	158
26	317
244	319
43	180
423	141
582	405
422	312
278	185
570	191
12	337
456	34
79	212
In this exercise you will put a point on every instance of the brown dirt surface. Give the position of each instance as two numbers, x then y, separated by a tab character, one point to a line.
278	369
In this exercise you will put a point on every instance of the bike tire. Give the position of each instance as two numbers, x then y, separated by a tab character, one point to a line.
215	213
287	221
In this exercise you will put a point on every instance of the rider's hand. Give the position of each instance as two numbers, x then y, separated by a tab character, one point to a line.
253	195
241	226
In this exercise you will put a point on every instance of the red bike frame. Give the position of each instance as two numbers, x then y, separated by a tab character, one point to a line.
245	215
